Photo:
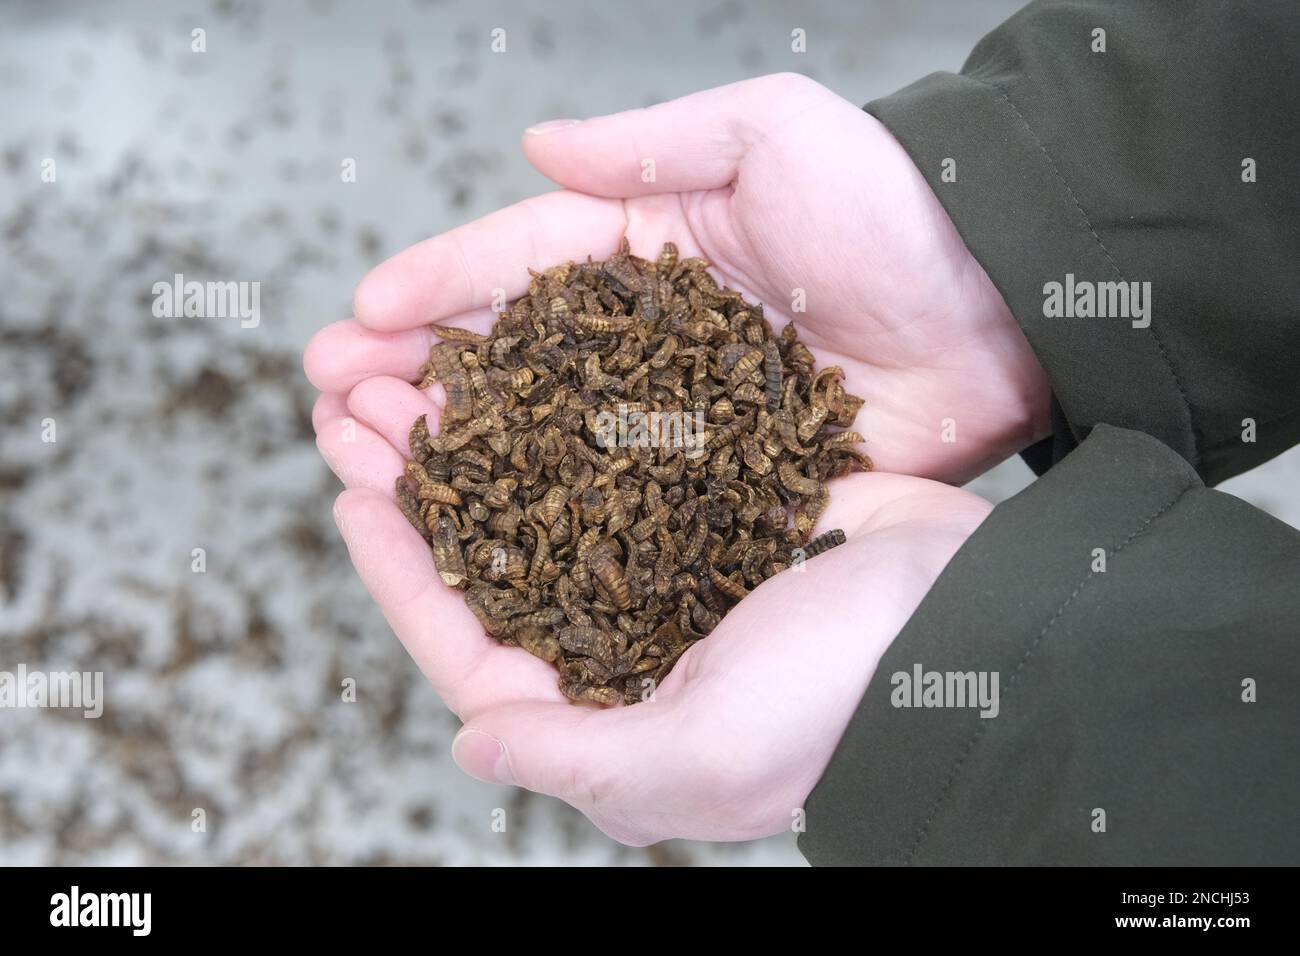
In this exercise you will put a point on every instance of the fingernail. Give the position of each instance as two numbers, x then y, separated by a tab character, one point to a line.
481	756
551	126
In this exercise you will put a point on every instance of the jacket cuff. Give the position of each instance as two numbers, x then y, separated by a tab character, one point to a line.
1023	223
916	785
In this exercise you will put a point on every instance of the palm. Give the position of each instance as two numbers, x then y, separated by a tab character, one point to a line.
889	294
917	348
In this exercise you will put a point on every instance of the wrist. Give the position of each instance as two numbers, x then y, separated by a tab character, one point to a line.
1028	389
1014	375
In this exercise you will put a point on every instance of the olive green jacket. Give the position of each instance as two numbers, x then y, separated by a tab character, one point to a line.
1144	629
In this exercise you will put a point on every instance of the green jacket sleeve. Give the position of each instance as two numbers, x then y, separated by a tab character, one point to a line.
1141	150
1145	635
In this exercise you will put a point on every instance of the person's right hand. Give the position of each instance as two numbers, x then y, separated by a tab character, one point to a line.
792	193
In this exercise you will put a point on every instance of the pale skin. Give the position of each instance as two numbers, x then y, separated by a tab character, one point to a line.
782	186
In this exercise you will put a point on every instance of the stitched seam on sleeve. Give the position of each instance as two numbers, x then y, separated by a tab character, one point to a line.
1155	335
924	829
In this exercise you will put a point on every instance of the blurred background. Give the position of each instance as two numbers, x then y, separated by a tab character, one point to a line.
223	688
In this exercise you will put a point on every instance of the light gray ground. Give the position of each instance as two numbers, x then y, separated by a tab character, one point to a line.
223	687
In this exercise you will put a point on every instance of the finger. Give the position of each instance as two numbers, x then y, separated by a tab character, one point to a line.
468	669
328	407
390	406
345	353
581	755
694	143
359	456
468	267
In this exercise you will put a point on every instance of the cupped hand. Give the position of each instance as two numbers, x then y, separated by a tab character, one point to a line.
802	202
732	742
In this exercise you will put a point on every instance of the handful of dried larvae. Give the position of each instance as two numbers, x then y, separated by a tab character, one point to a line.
621	459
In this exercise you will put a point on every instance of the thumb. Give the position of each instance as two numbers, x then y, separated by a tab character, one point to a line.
693	143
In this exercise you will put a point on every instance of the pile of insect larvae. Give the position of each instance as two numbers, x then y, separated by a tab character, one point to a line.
605	551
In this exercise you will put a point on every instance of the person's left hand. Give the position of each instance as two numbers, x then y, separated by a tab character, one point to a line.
740	731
